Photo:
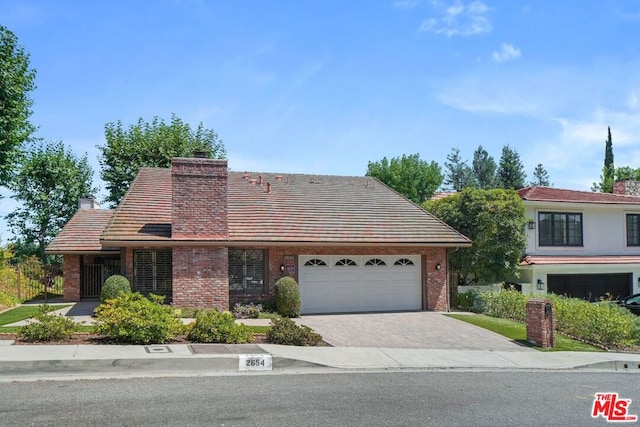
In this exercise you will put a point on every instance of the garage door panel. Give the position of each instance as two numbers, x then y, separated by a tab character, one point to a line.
348	288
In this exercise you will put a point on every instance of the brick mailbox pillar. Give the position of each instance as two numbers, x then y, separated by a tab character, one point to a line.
541	322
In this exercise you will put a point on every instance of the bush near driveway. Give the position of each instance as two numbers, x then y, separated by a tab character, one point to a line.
287	297
604	324
285	331
134	319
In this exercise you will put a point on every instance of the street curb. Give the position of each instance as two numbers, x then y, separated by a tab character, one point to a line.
616	365
226	363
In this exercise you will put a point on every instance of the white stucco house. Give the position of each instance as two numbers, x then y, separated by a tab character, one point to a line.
581	244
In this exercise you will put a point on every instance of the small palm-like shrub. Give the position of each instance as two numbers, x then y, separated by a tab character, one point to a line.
134	319
213	326
114	286
285	331
287	297
48	327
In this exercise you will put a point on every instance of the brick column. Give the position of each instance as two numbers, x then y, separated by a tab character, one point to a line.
71	276
436	280
541	322
201	277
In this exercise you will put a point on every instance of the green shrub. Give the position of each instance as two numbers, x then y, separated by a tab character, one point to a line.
48	327
506	303
247	310
213	326
7	300
114	286
133	319
464	301
285	331
287	297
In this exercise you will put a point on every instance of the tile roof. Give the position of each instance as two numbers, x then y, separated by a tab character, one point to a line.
549	194
559	260
300	208
82	232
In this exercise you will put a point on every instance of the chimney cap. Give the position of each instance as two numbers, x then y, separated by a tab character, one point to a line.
200	154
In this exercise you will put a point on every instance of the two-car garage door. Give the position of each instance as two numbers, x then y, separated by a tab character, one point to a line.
349	283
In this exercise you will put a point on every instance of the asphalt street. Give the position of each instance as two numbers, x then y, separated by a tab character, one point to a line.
354	399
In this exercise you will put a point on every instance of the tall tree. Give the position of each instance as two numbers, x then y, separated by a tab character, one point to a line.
511	173
48	183
540	177
16	82
494	220
608	171
458	174
147	144
484	169
410	176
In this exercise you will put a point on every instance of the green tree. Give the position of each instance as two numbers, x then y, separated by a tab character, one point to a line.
540	177
410	176
494	220
608	171
48	183
484	169
458	174
147	144
16	81
511	173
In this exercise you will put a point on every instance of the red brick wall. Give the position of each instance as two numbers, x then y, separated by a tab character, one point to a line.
201	277
199	198
71	274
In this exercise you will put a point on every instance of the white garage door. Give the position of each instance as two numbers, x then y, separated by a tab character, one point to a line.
348	283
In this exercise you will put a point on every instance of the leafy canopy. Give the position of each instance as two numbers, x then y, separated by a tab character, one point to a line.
16	82
48	183
153	144
494	220
410	176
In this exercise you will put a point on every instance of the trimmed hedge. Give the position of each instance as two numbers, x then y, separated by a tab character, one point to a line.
604	323
287	297
114	286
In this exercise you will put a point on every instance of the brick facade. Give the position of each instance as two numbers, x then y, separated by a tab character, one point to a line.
200	277
71	272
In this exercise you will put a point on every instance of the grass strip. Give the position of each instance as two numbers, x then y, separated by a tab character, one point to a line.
24	312
517	332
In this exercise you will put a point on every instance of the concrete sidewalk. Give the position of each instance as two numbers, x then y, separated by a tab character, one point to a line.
45	361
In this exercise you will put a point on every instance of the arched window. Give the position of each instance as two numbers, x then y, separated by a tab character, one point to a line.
315	262
375	261
346	262
403	261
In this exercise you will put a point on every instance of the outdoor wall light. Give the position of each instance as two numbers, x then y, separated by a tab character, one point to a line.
540	285
531	225
282	268
438	266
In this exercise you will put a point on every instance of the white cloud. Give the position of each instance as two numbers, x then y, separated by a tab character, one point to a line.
633	101
405	4
459	19
506	53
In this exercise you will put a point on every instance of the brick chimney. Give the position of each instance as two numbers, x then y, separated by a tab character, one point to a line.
629	187
199	198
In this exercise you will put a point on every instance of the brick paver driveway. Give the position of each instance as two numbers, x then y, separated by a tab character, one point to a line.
406	330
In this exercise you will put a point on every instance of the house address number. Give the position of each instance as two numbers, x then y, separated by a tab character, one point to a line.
255	362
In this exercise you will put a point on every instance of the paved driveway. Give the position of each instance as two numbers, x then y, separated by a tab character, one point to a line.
406	330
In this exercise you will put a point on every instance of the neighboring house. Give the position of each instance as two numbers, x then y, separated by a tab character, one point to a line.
204	236
581	244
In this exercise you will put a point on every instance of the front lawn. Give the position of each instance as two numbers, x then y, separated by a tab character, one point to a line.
518	332
24	312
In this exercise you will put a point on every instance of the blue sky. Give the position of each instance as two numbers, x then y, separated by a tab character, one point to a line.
324	87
